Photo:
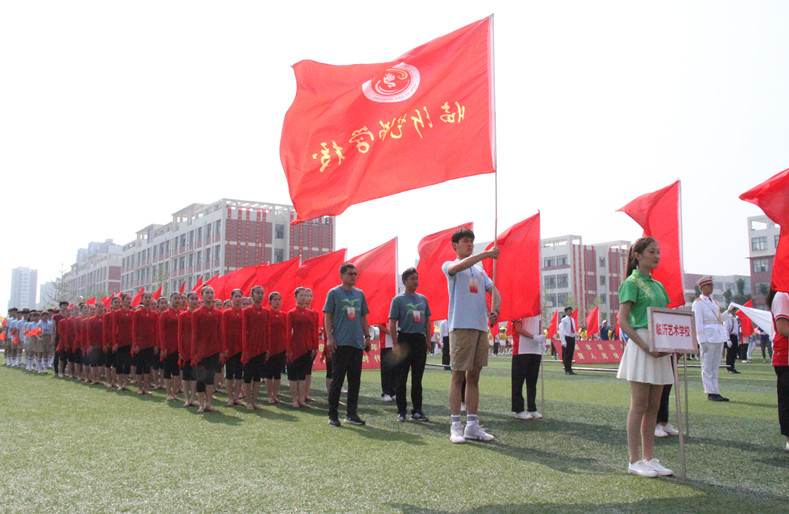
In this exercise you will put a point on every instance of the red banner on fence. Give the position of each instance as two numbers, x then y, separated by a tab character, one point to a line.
588	351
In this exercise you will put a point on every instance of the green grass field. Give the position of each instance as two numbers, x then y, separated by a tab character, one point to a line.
69	447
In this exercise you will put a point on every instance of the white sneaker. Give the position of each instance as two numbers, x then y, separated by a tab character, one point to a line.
535	415
659	469
641	469
387	398
462	407
475	431
659	432
523	415
456	433
667	428
787	447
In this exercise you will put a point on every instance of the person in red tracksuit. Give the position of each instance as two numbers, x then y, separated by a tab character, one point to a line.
255	334
64	342
122	321
75	363
317	317
95	338
109	355
168	345
188	375
145	336
278	344
231	348
206	347
302	333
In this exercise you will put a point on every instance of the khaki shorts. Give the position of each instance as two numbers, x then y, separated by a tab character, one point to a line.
468	349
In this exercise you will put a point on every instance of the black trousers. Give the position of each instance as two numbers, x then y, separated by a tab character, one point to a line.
731	353
525	368
388	372
568	352
742	350
413	355
782	372
346	360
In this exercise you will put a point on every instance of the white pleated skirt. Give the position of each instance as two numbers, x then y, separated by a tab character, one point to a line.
638	366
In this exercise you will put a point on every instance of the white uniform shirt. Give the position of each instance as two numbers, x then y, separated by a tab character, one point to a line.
709	326
567	327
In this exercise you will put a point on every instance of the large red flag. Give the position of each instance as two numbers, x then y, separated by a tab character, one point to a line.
434	250
92	301
320	274
518	270
280	278
772	196
243	278
378	279
364	131
746	325
658	213
137	298
198	285
157	294
592	322
554	325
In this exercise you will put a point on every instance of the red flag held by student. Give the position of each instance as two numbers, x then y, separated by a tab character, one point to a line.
772	196
198	285
518	270
746	325
281	278
377	278
364	131
320	274
554	325
92	301
592	322
434	250
182	290
137	298
658	213
107	301
157	294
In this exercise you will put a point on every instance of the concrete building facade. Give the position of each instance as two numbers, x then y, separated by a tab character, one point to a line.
97	271
24	282
763	237
210	239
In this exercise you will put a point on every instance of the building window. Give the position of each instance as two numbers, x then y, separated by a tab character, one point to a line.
279	255
602	280
561	260
549	262
550	282
759	243
216	253
208	232
562	281
602	262
760	265
761	288
218	228
602	299
279	232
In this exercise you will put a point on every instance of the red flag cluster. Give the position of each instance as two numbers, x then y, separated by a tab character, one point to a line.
364	131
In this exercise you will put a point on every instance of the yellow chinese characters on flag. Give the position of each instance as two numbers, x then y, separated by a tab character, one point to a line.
364	131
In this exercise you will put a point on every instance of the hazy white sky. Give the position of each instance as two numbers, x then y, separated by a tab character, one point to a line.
113	115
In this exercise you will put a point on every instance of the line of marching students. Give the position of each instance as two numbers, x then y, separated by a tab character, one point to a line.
179	344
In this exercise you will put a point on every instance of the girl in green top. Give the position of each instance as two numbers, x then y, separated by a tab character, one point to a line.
647	371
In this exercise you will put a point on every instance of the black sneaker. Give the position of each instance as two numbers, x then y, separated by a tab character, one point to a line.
354	420
334	422
401	418
418	416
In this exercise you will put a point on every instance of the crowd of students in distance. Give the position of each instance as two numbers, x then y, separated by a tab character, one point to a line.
179	344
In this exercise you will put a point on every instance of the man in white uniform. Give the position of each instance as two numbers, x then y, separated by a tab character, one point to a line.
711	336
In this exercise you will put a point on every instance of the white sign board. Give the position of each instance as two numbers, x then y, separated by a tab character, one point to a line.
671	331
